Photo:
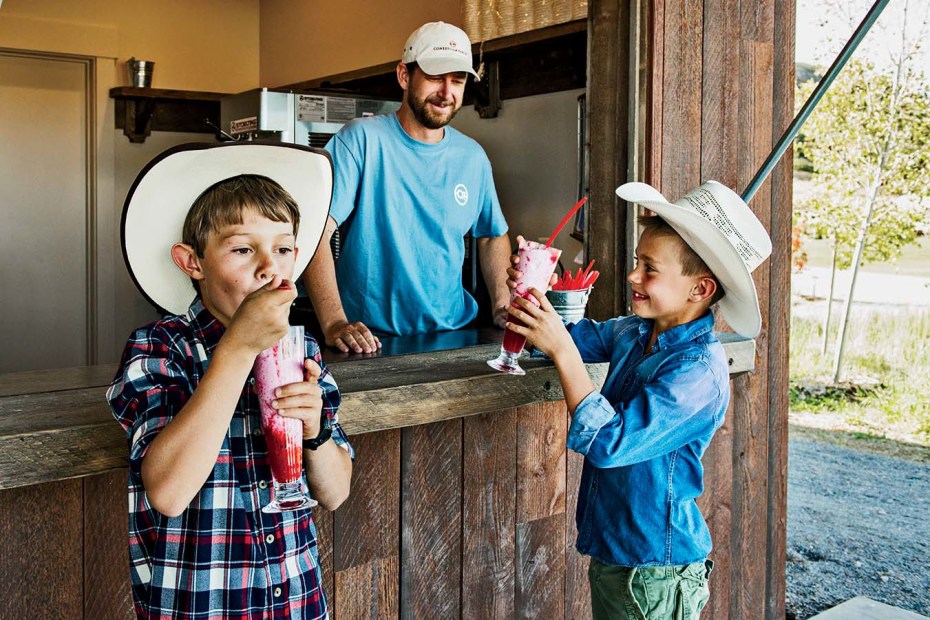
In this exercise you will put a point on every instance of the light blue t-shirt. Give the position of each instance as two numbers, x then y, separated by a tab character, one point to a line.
403	208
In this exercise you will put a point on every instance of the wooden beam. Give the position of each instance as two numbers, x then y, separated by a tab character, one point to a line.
779	313
609	107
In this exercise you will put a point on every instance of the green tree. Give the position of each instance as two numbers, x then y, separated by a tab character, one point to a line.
868	143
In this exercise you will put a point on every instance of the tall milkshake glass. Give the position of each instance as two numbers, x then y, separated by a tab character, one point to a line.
280	365
537	263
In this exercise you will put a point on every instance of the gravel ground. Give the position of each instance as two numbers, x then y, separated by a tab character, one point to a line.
858	524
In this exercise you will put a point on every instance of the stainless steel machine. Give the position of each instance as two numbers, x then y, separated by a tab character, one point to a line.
307	118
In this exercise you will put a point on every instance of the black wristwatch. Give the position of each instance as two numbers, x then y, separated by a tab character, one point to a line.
325	433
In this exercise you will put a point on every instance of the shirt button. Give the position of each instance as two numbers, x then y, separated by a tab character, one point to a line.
262	484
269	538
277	592
257	431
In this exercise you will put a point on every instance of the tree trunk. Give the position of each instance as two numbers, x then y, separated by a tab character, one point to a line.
847	306
826	318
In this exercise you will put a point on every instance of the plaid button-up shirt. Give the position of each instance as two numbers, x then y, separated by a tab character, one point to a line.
222	557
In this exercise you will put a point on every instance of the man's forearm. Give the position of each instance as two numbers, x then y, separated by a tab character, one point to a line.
494	257
320	281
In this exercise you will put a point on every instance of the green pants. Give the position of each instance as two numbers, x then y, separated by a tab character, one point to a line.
649	593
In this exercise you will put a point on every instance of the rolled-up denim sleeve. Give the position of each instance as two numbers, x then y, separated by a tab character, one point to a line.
667	413
593	413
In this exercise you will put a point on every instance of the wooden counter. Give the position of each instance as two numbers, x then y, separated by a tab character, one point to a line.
462	502
56	424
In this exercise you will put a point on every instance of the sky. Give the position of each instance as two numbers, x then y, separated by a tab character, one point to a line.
824	27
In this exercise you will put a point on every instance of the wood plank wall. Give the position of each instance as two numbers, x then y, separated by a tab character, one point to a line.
718	96
467	518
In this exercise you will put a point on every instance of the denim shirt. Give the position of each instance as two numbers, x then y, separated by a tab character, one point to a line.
643	437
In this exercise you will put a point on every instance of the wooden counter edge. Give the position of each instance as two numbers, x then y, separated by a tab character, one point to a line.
37	456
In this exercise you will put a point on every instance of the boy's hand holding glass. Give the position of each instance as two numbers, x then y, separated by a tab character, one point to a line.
282	387
543	327
514	274
537	264
303	400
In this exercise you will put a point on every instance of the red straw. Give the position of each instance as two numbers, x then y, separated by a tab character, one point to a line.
564	221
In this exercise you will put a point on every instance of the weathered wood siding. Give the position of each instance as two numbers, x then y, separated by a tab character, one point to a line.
472	518
718	94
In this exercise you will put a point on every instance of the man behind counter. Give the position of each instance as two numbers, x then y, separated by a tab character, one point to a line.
407	188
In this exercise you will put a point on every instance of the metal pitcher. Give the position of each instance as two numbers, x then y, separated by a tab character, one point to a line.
140	72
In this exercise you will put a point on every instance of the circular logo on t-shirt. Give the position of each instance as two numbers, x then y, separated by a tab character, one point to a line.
461	194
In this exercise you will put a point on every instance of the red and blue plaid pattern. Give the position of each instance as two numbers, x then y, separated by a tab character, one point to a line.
222	557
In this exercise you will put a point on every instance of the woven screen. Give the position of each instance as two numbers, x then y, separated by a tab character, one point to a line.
490	19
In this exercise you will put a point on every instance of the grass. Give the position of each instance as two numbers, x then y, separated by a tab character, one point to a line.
887	368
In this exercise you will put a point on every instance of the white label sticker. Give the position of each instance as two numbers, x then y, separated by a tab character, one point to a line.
339	110
243	125
311	108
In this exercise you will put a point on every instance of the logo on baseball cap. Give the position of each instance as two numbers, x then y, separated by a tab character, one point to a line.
438	48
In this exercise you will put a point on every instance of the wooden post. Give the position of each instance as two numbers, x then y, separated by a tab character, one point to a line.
608	111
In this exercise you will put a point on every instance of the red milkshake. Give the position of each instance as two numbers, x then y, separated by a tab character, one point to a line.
280	365
537	264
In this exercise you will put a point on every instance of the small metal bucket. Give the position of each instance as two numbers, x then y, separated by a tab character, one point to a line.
140	72
569	304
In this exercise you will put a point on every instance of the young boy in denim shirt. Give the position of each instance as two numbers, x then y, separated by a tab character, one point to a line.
200	545
665	395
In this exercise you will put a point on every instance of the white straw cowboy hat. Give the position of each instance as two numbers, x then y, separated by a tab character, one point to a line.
725	233
162	194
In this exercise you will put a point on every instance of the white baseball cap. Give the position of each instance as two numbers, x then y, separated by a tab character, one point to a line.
438	48
725	233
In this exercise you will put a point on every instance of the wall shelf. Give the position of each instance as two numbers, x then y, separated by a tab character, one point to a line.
140	111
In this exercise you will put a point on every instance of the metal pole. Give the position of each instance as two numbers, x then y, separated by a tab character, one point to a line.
814	99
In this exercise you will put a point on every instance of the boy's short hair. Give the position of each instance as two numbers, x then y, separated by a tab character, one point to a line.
691	263
223	203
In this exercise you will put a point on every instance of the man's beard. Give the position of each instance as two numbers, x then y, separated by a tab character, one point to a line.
428	117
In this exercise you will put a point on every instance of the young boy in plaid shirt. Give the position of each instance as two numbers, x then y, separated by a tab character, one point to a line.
200	545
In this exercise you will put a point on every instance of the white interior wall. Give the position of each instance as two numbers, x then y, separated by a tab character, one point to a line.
532	145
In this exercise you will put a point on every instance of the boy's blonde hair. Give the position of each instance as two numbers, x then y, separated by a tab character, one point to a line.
223	203
691	263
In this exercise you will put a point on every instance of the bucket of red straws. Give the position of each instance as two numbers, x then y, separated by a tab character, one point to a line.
569	295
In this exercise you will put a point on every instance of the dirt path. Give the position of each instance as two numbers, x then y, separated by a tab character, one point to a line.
858	524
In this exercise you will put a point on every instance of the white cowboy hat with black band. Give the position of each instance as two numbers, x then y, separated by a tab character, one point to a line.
715	222
162	194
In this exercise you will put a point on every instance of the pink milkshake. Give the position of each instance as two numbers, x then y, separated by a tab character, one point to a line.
537	264
279	365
